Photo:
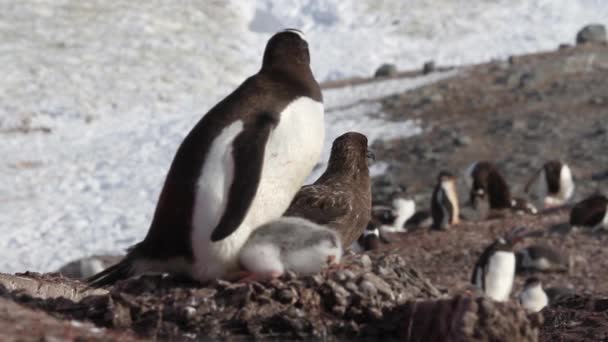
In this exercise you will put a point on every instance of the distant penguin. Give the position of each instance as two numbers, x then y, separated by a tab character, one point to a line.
342	197
237	169
368	241
289	244
523	206
554	184
533	298
444	202
495	269
541	258
590	213
485	181
391	218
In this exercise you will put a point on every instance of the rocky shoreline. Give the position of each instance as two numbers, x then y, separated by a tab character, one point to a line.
518	113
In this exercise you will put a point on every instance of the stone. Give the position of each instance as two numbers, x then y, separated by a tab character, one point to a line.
428	67
386	70
462	140
592	33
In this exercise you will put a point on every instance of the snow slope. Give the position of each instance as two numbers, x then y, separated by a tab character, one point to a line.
120	83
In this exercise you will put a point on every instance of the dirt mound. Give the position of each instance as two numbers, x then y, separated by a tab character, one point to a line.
336	303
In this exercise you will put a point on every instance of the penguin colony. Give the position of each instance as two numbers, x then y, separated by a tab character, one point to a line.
233	204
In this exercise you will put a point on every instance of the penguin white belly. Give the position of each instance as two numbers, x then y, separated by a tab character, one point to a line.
534	299
566	184
292	149
356	247
499	275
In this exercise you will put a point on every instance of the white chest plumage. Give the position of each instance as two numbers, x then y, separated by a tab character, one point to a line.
292	149
499	274
533	298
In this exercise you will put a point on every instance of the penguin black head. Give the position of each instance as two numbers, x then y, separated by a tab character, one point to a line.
349	152
532	281
287	47
445	176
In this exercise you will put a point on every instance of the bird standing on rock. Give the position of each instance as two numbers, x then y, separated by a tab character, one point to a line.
237	169
485	181
495	269
341	198
444	202
554	184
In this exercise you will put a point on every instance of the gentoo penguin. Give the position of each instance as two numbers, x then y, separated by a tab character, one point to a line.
341	198
368	241
541	258
523	206
590	212
484	180
495	268
444	202
533	298
237	169
289	243
554	184
420	219
392	218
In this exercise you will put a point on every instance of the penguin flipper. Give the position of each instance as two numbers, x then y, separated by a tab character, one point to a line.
119	271
248	153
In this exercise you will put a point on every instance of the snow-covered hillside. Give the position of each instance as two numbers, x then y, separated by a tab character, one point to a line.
119	83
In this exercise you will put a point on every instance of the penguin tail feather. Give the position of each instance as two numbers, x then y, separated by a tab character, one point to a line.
112	274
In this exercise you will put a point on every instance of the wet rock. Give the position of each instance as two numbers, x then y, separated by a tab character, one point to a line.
386	70
592	33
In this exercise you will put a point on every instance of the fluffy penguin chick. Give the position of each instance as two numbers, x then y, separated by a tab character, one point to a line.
290	243
533	298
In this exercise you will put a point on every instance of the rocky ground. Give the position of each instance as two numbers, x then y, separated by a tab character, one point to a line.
518	113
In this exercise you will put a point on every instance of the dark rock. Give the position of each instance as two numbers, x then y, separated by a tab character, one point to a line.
386	70
462	318
325	304
592	33
462	140
428	67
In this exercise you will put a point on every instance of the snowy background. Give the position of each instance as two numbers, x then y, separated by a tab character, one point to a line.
108	89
